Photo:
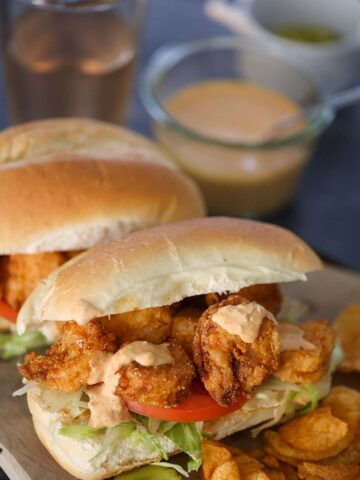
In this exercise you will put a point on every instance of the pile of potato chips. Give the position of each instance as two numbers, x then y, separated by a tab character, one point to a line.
321	445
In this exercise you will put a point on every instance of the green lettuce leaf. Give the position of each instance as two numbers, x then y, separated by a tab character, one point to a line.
80	432
187	436
13	345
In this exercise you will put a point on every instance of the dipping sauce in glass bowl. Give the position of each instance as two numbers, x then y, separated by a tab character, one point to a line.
214	103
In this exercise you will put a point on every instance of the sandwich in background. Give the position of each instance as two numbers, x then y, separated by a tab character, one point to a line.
67	185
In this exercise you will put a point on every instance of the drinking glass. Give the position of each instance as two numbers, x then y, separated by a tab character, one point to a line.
70	57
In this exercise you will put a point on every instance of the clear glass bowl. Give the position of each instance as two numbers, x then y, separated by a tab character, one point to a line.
237	178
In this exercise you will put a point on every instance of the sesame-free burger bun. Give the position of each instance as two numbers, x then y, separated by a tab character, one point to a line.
164	264
74	203
78	136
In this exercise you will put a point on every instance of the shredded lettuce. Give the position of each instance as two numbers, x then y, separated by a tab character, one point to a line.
24	389
80	432
287	399
151	472
187	436
13	345
175	466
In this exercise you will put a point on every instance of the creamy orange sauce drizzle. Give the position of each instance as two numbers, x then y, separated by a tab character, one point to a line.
292	338
107	409
243	320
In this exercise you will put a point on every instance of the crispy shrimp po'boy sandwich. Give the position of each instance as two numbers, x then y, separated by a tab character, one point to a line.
169	335
68	185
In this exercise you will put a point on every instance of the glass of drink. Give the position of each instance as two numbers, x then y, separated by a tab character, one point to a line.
70	57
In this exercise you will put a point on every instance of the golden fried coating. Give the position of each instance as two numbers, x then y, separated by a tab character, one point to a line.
229	367
268	295
66	365
21	274
151	325
183	327
308	366
162	385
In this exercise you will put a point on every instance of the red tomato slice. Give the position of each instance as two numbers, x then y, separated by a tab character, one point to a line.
197	407
8	312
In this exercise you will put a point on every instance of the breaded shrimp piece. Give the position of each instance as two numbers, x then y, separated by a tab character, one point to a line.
151	325
183	327
21	274
66	365
308	366
162	385
229	367
268	295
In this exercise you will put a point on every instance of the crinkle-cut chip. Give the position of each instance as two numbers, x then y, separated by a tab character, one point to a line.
226	471
347	329
275	445
310	471
317	431
345	404
214	455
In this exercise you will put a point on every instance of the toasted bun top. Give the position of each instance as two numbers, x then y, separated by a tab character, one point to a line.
77	136
164	264
71	202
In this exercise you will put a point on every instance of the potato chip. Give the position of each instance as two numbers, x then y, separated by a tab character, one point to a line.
317	431
256	453
276	475
247	465
275	445
226	471
345	404
270	461
350	455
308	471
255	476
347	329
214	455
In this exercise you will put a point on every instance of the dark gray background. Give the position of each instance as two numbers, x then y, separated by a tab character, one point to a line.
326	211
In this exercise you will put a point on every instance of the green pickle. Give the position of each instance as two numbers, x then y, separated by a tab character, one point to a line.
306	33
150	472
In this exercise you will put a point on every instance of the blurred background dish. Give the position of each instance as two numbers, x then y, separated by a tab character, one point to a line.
325	34
325	211
214	102
70	58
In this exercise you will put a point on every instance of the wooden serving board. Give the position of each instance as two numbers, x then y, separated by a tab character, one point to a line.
24	458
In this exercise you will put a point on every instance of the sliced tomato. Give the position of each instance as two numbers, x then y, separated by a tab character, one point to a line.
8	312
197	407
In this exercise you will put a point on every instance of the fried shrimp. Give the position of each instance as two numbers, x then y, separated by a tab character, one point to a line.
21	274
229	367
268	295
308	366
162	385
151	325
66	365
183	327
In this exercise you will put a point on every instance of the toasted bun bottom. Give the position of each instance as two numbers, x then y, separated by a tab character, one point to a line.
77	456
